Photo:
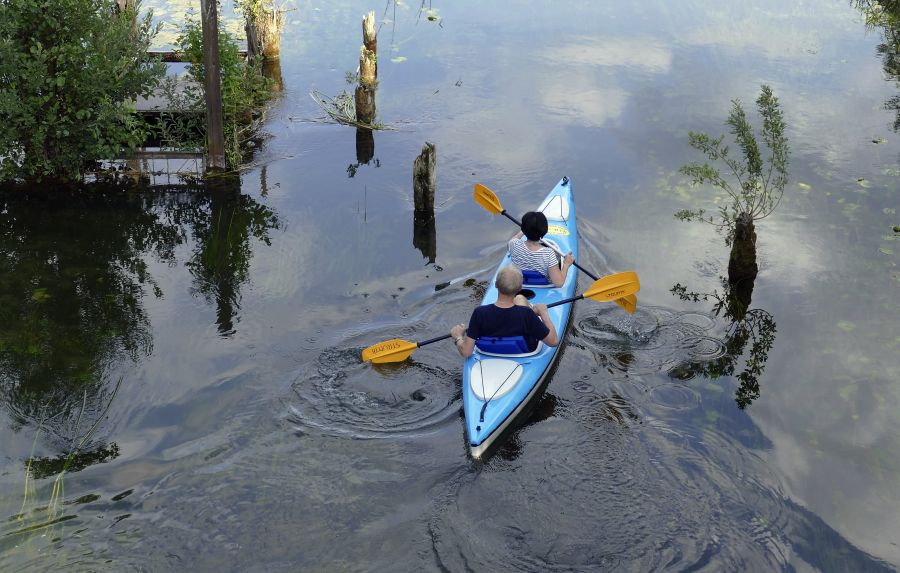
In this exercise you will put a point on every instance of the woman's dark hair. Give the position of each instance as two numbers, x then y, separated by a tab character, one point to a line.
534	225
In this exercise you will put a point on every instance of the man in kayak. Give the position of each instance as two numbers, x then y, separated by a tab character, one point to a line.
527	252
510	315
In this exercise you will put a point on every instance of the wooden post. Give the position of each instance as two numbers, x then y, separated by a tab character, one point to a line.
212	86
424	179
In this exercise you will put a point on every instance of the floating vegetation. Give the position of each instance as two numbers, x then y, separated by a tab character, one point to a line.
342	109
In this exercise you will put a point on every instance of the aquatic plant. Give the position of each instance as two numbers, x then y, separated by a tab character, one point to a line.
756	186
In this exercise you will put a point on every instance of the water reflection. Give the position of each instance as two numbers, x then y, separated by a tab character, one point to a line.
222	223
753	327
76	274
885	15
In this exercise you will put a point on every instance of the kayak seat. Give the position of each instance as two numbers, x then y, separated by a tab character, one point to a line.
504	346
534	278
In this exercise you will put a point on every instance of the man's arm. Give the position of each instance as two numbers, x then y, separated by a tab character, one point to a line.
541	310
464	344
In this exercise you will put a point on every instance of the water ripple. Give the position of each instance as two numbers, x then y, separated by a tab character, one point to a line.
341	396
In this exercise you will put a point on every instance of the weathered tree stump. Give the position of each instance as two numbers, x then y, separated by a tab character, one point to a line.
742	263
424	179
365	103
263	27
368	53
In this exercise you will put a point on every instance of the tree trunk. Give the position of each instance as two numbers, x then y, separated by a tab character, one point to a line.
742	268
742	263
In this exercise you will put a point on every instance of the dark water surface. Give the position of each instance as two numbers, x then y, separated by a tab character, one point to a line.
200	355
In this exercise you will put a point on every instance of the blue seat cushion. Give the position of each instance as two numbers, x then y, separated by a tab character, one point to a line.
530	277
503	344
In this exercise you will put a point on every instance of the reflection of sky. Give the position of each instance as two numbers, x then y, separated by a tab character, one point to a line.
605	94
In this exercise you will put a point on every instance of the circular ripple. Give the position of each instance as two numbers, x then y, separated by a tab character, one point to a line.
698	319
674	396
704	348
341	396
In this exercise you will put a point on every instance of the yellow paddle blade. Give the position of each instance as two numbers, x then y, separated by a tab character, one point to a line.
487	199
394	350
628	303
612	287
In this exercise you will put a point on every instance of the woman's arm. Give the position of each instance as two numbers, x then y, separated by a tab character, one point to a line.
557	275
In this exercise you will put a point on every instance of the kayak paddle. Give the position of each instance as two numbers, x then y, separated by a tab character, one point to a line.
491	203
608	288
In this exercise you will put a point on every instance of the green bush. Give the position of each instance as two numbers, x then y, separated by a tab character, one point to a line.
69	70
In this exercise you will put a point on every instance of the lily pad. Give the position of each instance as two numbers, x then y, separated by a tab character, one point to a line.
398	59
846	325
40	295
886	251
879	140
804	186
863	182
889	211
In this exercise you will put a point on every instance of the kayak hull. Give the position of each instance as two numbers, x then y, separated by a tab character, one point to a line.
498	389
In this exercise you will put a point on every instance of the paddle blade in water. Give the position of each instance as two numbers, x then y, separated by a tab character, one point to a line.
628	303
394	350
613	287
487	199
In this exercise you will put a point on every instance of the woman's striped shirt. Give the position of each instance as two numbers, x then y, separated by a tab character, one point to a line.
540	260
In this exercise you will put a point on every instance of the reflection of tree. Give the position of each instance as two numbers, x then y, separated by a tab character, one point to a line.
885	14
223	222
70	292
755	327
75	272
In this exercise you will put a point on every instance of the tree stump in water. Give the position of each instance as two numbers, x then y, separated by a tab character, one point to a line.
365	104
742	263
368	53
424	179
263	27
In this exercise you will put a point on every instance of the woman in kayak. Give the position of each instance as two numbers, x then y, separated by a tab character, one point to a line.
510	315
527	252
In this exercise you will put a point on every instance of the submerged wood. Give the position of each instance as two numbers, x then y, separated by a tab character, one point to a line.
424	179
263	27
365	103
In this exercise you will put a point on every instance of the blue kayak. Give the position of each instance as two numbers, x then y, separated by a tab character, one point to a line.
496	387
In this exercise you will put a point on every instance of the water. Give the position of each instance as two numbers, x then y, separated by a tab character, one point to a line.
199	355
